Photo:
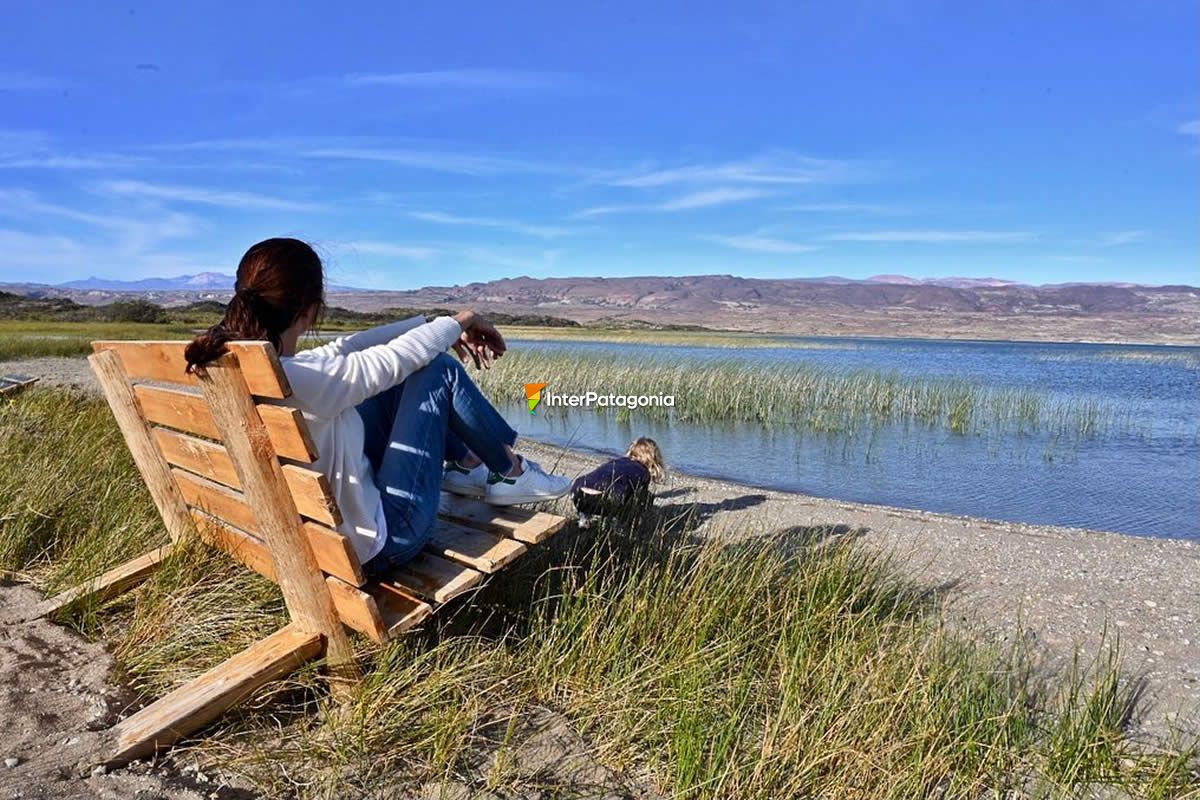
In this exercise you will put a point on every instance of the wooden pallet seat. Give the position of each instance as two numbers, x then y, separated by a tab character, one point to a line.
226	460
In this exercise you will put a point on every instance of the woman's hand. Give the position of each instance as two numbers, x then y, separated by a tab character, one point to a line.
480	340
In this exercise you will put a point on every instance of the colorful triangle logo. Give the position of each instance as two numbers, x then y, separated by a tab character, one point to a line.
533	395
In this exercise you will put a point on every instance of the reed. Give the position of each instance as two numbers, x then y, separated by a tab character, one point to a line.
817	398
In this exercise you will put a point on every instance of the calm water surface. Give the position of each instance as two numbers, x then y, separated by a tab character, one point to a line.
1143	477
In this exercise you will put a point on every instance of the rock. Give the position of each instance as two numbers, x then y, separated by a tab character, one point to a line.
100	770
11	762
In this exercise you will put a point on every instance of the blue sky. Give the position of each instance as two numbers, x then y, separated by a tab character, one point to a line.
454	142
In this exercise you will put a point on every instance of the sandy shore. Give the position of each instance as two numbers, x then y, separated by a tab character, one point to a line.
1062	588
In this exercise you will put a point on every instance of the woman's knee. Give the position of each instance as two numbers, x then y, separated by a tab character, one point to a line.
442	369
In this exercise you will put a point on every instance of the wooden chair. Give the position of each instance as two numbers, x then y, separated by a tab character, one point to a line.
223	457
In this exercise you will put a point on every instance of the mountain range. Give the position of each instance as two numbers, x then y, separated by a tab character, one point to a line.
219	281
200	282
885	305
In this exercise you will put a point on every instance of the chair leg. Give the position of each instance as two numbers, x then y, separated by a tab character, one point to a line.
198	702
110	584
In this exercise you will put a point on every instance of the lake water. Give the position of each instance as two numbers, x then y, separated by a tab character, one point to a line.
1141	477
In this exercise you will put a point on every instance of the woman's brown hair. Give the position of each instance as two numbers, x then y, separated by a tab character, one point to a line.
277	281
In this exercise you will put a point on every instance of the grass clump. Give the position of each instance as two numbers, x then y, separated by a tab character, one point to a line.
789	665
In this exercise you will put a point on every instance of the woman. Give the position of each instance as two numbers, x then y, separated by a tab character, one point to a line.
392	415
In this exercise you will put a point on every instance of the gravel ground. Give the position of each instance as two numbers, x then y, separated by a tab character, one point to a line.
1062	587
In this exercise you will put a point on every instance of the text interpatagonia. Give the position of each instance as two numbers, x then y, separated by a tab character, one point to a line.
588	399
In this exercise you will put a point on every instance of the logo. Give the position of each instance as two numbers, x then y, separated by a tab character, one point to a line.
533	395
536	398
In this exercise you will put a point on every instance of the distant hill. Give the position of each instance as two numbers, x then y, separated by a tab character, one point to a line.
200	282
886	305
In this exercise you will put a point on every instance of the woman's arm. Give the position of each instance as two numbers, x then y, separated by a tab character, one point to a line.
380	334
325	382
326	385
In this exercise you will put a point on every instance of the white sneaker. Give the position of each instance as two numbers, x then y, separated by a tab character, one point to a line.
532	486
469	482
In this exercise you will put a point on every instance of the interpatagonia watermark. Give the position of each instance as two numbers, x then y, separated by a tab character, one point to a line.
537	395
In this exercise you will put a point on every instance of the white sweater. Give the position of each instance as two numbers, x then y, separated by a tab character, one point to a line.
330	380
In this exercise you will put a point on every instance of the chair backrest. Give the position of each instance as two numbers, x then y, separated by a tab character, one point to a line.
182	431
224	457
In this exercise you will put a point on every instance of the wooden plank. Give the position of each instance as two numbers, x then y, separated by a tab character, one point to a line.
247	437
435	578
357	609
12	384
522	524
155	471
244	548
399	609
486	552
198	702
189	412
332	550
309	488
236	544
110	584
164	361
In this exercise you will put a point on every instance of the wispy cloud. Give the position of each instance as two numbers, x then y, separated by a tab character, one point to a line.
101	242
135	231
776	167
756	243
391	250
437	161
936	237
21	250
844	208
1118	238
541	262
508	80
28	149
208	197
514	226
707	198
1190	128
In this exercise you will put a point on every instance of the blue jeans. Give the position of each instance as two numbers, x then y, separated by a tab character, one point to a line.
438	413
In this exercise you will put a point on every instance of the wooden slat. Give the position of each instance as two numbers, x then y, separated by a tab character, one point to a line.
486	552
435	578
198	702
333	552
309	488
164	361
522	524
110	584
249	551
357	610
12	384
189	412
399	609
155	471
